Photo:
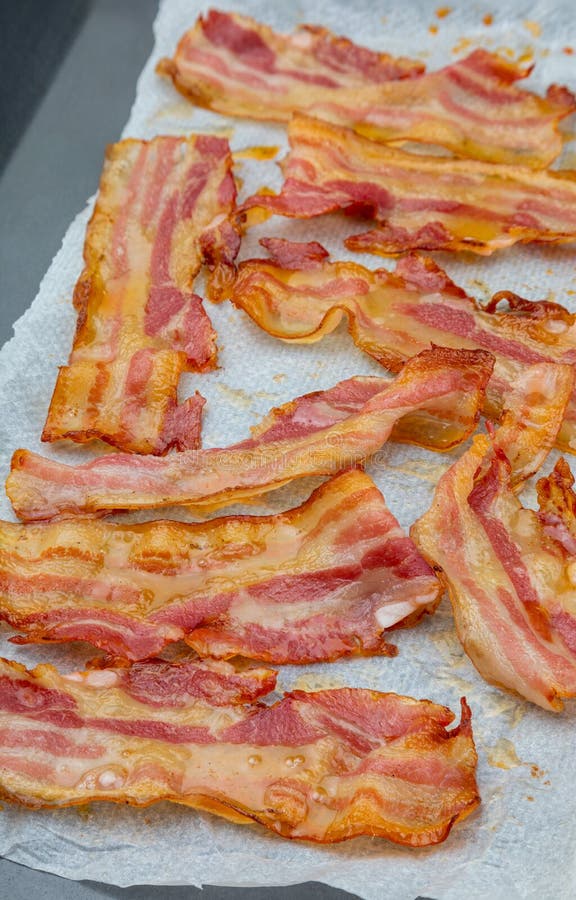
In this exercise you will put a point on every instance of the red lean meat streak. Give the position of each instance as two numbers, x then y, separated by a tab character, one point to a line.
323	766
311	584
236	66
299	296
418	202
509	570
164	208
434	402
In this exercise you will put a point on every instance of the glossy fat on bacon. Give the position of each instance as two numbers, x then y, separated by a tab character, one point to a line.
236	66
315	583
433	402
419	202
299	296
323	767
509	572
165	207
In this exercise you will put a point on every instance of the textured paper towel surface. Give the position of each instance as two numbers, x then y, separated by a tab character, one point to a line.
522	842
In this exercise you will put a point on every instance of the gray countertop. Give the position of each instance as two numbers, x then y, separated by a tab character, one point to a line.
53	169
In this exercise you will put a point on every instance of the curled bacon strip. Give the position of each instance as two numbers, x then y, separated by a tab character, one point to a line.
298	296
324	766
315	583
433	402
419	202
236	66
164	208
509	570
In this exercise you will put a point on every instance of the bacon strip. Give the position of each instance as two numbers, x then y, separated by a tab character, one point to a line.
324	766
433	402
165	206
315	583
419	202
509	570
236	66
300	297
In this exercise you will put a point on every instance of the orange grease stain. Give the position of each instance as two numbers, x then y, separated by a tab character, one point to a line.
443	11
463	44
256	216
534	28
488	19
433	29
260	153
568	51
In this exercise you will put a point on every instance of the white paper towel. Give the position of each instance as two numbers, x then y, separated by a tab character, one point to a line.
522	842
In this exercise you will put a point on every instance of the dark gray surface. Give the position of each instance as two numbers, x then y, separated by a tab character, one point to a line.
30	54
52	172
57	163
18	883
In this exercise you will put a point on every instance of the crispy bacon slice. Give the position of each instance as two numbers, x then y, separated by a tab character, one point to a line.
419	202
234	65
324	766
298	296
165	206
509	570
315	583
433	402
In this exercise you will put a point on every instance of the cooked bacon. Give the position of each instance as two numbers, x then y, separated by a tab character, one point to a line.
557	506
164	208
295	255
324	766
315	583
234	65
533	415
509	570
433	402
391	316
419	202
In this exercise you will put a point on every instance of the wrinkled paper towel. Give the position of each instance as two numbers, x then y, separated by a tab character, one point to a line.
522	841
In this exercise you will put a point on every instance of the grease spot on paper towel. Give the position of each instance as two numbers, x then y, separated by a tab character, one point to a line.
236	396
449	647
317	682
478	285
463	44
258	153
179	110
240	398
420	468
502	755
534	28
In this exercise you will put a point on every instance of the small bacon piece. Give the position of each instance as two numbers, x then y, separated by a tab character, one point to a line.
433	402
165	206
533	415
234	65
323	766
509	570
391	316
419	202
315	583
